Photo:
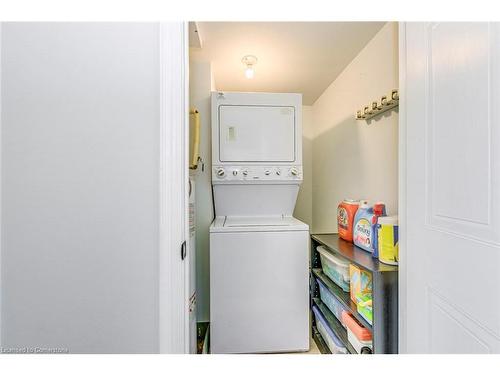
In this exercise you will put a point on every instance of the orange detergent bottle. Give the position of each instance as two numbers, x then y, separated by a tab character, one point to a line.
345	218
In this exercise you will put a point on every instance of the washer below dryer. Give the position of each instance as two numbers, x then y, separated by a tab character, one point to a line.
259	284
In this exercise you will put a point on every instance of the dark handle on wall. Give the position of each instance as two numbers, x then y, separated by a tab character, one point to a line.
183	250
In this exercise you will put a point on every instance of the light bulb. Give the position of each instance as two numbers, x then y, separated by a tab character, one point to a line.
249	61
249	72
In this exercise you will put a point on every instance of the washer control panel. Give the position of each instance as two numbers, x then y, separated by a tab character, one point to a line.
256	173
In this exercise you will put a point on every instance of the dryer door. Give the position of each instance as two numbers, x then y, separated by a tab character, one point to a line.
253	133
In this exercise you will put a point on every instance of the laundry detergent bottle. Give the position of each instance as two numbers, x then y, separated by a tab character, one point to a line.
378	211
363	230
345	218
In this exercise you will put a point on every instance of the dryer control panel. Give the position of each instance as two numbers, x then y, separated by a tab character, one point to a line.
254	173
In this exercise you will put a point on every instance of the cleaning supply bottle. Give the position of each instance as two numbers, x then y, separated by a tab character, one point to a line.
388	238
378	211
363	231
345	218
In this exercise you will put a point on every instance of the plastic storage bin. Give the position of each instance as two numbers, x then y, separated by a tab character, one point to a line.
330	300
332	341
335	267
359	337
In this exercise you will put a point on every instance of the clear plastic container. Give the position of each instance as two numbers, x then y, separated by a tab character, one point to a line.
330	301
361	347
335	267
332	341
358	335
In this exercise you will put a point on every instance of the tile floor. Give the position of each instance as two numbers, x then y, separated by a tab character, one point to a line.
313	348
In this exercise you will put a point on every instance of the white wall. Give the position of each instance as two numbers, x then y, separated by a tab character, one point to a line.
80	200
200	85
303	207
356	159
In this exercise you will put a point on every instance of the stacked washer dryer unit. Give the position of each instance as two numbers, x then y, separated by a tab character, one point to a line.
259	253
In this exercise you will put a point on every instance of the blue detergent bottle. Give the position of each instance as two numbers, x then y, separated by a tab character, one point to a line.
363	229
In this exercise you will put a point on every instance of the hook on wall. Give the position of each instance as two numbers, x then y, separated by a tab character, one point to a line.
386	103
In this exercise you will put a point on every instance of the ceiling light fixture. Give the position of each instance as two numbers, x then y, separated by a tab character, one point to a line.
249	61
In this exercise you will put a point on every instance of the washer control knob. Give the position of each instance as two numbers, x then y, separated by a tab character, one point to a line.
245	172
220	172
294	172
235	172
267	172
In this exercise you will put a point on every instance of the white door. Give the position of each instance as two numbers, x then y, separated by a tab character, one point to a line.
93	187
450	199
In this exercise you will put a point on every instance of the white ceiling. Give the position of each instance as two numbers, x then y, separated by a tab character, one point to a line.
302	57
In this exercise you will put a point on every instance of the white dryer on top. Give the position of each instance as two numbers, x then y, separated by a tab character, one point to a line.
256	153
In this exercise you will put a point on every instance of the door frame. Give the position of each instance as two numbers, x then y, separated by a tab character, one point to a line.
1	241
173	279
402	195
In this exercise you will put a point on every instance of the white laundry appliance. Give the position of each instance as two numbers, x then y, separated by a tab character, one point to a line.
259	253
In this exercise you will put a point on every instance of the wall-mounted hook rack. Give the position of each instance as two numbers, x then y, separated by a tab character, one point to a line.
386	103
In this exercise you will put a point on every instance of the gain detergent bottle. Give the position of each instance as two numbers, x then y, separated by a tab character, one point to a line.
363	232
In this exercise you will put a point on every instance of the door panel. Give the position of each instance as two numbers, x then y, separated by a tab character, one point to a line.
256	133
452	331
456	171
452	187
459	129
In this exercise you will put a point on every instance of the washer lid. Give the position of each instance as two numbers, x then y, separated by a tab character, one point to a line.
256	224
257	221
